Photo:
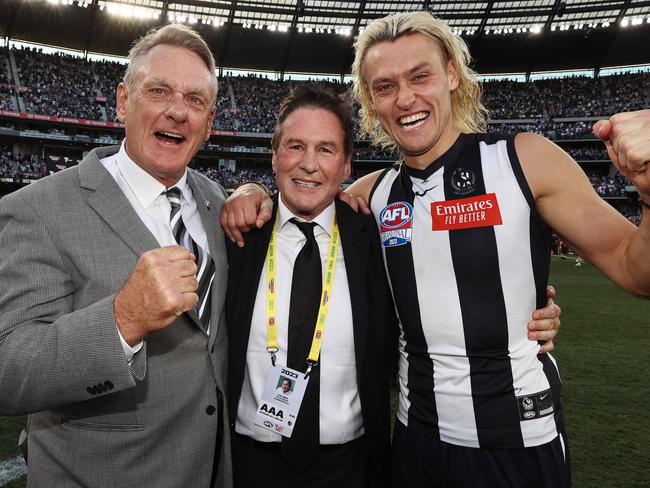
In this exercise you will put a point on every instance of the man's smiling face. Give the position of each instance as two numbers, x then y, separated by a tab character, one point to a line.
167	112
410	83
310	162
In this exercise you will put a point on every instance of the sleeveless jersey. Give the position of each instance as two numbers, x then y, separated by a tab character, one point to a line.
468	261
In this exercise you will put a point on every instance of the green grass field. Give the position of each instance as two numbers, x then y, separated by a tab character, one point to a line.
602	353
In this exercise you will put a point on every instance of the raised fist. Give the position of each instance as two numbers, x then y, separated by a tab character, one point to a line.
161	287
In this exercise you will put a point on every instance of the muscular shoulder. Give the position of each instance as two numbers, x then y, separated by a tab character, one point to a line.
545	165
363	186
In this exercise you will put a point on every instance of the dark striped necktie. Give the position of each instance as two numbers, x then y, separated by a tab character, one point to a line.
204	262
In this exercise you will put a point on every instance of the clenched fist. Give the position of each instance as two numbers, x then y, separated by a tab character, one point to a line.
627	139
161	287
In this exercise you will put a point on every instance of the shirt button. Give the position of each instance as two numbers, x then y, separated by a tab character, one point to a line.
210	409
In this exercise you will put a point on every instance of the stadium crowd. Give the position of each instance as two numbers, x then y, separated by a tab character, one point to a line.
7	90
232	179
248	103
588	153
31	167
256	99
609	186
50	85
22	166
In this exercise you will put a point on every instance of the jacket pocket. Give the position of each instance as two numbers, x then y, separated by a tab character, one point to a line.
85	425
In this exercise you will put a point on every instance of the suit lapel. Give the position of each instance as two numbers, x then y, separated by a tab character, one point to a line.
108	201
209	210
246	266
251	266
355	245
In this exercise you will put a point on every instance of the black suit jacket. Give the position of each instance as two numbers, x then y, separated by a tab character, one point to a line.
373	317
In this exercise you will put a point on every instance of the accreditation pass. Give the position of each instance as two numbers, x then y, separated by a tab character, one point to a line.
281	399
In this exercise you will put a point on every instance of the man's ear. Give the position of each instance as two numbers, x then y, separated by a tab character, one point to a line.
452	76
121	100
347	170
209	128
274	165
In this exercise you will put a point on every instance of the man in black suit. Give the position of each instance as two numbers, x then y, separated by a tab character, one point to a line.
278	317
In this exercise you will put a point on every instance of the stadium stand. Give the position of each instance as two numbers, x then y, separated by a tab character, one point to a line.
7	89
247	104
52	85
48	85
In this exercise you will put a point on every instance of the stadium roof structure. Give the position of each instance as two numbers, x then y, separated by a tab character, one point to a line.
316	36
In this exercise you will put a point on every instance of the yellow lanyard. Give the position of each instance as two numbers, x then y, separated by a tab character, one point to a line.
326	295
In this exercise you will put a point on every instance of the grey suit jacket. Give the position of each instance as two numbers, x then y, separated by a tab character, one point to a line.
67	244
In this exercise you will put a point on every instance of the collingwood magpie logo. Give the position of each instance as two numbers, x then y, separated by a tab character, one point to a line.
527	403
463	181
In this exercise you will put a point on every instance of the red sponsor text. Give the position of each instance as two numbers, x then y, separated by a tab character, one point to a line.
466	213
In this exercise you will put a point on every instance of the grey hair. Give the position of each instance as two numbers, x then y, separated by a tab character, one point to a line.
172	35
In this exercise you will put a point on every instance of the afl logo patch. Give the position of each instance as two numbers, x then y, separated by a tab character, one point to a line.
396	224
463	181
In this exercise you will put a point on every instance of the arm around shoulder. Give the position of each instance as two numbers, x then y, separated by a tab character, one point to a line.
362	188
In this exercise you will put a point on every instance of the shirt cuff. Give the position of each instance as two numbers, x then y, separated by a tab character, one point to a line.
129	351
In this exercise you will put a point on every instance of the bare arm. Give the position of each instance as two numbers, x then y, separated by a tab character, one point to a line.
567	202
363	186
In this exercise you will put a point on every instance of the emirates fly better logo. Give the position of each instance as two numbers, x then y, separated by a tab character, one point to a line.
466	213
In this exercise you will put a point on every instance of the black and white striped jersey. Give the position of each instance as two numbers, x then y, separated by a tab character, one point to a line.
468	262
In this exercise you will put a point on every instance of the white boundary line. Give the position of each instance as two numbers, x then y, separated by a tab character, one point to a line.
12	469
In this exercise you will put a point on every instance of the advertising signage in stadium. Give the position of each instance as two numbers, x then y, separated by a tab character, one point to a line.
65	120
94	123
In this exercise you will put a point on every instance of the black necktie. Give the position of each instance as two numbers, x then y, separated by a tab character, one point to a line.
301	449
204	262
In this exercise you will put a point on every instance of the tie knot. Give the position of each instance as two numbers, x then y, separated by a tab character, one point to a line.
306	228
174	197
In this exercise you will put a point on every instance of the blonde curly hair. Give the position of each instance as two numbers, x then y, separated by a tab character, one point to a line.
467	112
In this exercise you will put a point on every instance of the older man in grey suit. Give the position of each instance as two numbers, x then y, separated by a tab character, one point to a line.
111	334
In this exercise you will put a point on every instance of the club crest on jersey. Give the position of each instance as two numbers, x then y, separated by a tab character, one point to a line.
396	224
463	181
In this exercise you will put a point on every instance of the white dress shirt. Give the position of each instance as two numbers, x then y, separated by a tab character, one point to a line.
340	407
144	193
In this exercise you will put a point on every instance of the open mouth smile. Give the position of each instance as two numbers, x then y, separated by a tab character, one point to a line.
306	184
413	120
169	137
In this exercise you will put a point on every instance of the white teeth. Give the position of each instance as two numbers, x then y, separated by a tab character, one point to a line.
173	136
306	184
409	119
